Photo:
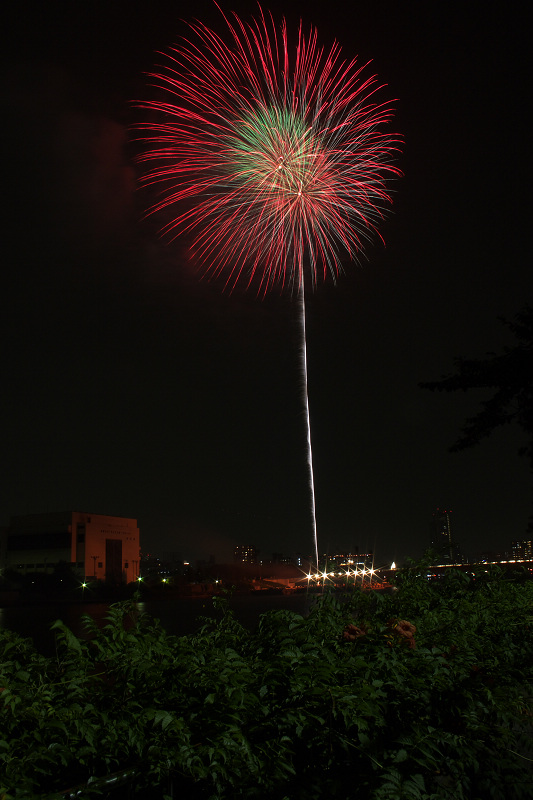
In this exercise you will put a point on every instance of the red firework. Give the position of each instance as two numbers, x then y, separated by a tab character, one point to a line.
273	159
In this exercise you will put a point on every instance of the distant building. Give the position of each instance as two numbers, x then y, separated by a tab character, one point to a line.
522	550
441	535
245	554
97	546
279	558
441	541
494	556
346	560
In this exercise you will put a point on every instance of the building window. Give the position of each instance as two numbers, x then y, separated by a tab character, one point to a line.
100	565
126	565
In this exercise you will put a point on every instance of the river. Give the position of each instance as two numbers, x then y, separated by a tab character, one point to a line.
178	615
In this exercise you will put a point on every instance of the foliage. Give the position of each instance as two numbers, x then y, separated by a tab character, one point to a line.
339	703
509	375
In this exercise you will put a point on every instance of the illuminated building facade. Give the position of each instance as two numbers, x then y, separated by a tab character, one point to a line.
346	560
97	546
245	554
522	550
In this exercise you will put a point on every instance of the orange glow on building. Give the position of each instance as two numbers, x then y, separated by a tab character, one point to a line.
97	546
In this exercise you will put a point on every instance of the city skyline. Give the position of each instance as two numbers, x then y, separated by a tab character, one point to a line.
132	388
51	534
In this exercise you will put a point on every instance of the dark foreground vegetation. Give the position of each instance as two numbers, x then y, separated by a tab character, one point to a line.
424	693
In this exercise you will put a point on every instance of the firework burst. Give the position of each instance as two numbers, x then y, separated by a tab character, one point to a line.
273	160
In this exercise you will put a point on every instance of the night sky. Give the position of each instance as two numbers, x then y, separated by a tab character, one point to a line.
129	387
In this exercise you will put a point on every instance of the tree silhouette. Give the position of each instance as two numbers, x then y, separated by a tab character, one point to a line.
509	375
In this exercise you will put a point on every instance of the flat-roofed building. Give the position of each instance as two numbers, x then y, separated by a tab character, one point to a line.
522	550
245	554
97	546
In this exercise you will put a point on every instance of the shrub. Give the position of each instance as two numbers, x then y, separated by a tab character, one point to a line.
295	709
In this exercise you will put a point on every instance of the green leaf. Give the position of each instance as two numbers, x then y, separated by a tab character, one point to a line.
401	755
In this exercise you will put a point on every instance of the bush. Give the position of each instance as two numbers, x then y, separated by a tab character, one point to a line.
423	694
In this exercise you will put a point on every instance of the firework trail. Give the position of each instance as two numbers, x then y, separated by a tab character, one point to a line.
308	424
272	160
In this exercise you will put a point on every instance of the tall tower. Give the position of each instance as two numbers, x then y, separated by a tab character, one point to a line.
441	535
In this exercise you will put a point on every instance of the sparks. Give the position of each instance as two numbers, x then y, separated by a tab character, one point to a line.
271	158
